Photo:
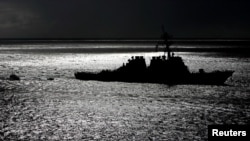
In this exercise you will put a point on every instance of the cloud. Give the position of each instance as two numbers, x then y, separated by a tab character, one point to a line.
123	18
15	17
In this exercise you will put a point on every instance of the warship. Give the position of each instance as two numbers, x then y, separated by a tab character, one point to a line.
166	69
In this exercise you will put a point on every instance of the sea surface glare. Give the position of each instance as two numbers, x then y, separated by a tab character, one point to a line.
65	108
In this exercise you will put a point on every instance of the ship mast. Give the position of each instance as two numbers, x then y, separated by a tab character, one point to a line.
167	43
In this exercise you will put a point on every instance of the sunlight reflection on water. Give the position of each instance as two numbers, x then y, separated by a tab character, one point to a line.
71	105
40	65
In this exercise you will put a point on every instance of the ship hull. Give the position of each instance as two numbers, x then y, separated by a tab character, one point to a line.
208	78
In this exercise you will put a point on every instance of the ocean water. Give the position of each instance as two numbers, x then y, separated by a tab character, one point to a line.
66	108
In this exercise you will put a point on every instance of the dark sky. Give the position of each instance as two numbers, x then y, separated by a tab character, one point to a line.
124	18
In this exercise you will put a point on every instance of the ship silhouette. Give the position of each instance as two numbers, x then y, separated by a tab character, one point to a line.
163	69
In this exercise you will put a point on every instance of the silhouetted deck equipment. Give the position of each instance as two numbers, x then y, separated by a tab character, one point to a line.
168	69
161	70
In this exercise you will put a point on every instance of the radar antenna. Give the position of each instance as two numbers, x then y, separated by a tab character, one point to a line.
165	36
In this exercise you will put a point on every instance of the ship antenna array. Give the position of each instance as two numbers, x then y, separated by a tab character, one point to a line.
165	37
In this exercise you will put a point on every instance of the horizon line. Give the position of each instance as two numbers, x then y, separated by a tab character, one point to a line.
125	39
